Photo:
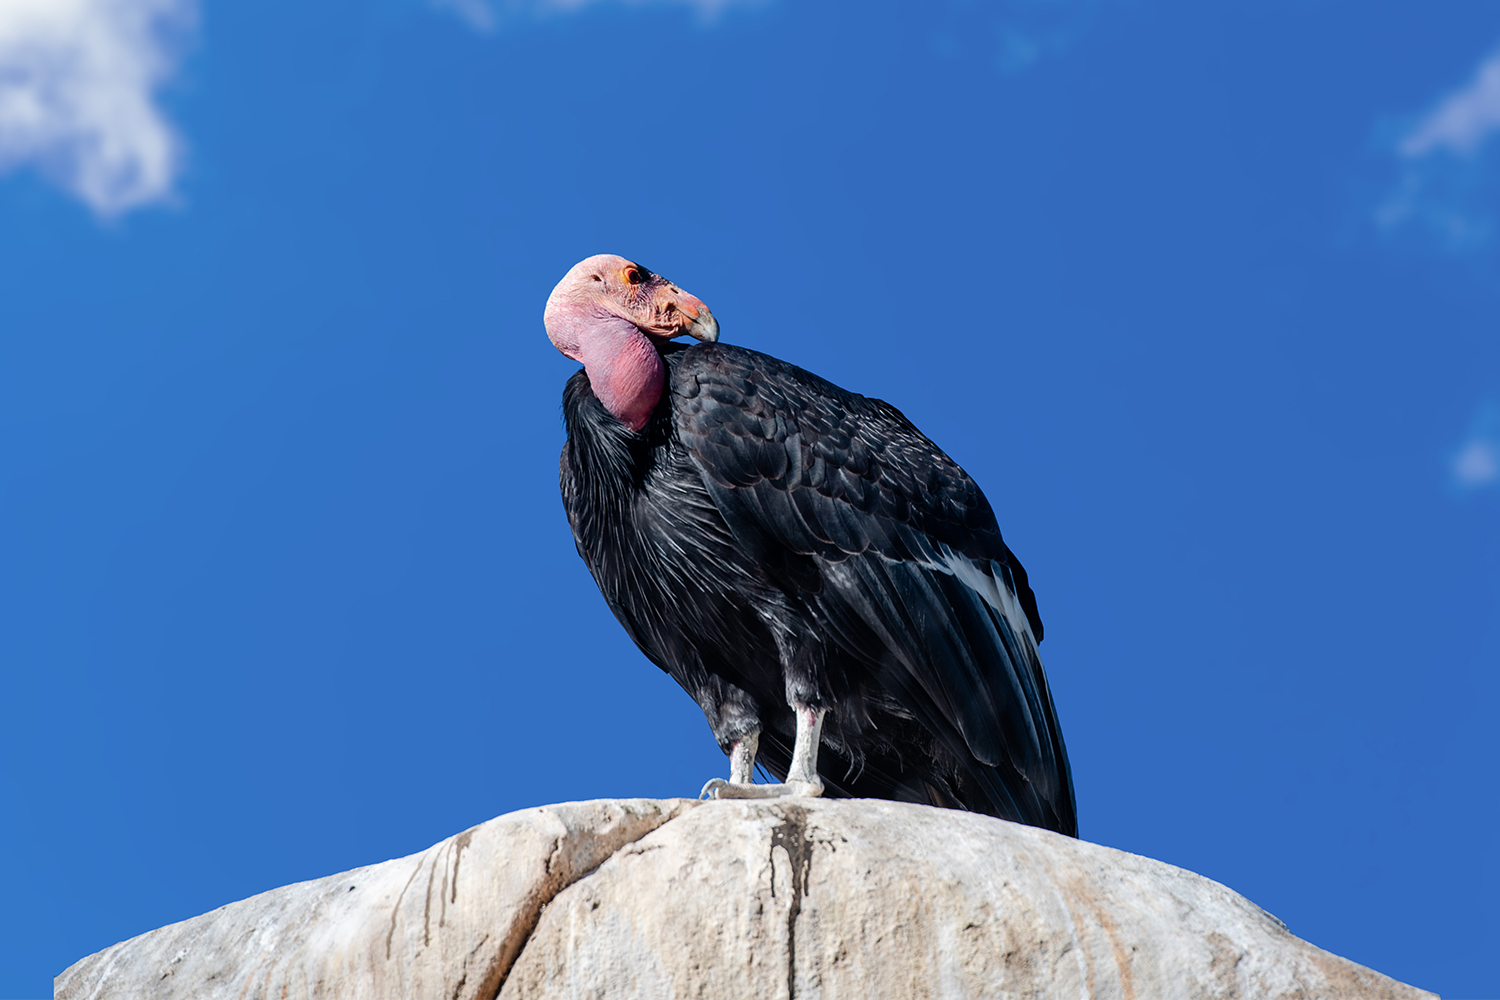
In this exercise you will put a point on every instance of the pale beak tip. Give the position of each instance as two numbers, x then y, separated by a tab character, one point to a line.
705	327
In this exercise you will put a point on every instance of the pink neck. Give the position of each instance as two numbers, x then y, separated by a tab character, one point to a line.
625	370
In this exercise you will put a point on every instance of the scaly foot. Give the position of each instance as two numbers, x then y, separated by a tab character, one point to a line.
718	788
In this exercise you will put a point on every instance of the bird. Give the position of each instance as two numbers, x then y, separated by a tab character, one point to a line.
821	578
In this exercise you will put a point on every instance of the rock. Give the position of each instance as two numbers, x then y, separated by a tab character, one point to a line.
446	923
794	898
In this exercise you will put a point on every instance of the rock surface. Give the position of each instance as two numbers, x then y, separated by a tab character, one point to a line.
801	898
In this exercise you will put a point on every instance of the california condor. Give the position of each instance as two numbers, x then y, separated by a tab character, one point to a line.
828	585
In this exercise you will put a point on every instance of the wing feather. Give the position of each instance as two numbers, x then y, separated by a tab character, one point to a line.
911	575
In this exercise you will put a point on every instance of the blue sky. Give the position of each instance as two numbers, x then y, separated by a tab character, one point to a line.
1204	296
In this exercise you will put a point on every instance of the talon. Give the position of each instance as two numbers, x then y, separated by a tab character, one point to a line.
711	790
792	789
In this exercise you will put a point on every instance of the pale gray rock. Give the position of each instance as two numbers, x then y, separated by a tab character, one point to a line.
446	923
797	898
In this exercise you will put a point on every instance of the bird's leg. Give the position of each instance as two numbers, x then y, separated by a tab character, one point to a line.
804	767
801	779
741	766
742	758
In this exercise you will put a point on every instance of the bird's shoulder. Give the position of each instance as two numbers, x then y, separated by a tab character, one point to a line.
755	421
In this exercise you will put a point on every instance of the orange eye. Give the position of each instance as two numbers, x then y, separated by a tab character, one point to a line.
633	276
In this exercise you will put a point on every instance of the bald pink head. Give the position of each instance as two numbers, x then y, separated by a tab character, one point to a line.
610	314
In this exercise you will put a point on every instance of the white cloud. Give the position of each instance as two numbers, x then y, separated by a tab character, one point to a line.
477	14
703	6
1476	463
484	15
1463	120
1446	192
77	81
1016	34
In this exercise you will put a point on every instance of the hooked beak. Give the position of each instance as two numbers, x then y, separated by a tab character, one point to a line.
675	312
704	327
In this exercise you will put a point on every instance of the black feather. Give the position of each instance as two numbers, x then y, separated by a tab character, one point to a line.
769	532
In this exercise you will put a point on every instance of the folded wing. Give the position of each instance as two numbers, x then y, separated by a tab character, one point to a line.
847	504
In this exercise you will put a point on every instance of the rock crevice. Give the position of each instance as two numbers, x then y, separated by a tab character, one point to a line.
447	923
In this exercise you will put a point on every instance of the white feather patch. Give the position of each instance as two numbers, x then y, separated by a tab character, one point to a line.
986	581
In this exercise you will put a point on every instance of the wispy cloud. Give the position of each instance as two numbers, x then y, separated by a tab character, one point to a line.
1463	120
77	96
1446	190
1016	34
1476	463
486	15
477	14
